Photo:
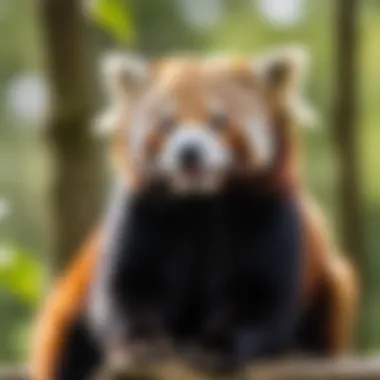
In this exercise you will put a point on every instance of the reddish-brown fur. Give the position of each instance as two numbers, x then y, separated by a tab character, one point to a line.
61	308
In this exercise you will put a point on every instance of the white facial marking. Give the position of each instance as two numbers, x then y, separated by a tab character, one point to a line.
138	132
142	124
215	158
214	155
261	138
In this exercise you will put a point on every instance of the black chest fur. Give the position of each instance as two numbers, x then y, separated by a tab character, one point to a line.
186	259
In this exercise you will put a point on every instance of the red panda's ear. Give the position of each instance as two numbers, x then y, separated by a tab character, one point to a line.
283	72
124	74
284	69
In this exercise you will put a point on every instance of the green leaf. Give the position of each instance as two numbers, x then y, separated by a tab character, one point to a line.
20	274
115	17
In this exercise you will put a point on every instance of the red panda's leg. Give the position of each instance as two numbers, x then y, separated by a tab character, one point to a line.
62	312
330	289
343	294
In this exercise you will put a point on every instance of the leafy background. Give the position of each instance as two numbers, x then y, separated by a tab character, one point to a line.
155	28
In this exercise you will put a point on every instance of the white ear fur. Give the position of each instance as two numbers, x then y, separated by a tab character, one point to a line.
284	72
105	124
124	73
303	113
283	68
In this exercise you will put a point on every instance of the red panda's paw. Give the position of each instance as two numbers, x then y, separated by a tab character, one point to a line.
216	357
214	362
138	354
119	358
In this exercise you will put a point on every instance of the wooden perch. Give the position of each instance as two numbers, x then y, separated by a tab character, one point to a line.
344	369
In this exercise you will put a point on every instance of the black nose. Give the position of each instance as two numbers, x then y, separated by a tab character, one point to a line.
190	157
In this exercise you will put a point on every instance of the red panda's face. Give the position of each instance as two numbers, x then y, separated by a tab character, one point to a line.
192	129
194	124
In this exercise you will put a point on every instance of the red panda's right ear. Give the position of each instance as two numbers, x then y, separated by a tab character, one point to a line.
283	73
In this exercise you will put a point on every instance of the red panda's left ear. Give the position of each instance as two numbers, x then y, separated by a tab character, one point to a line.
283	73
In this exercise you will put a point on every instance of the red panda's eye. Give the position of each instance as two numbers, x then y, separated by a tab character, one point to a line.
219	122
166	125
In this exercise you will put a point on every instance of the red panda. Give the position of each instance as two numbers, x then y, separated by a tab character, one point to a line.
241	116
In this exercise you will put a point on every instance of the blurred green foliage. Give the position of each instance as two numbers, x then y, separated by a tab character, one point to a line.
20	290
163	27
20	274
115	17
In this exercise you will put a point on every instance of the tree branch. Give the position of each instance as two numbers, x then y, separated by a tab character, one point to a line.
76	160
344	369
